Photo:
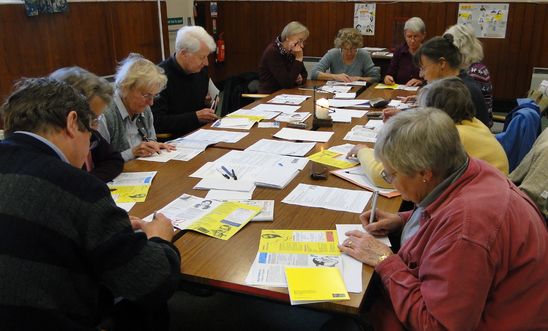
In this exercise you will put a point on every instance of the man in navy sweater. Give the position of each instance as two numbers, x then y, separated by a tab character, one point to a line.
65	248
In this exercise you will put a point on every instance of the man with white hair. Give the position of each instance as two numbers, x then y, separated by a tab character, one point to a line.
181	106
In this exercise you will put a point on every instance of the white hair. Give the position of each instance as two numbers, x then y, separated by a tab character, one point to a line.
189	38
294	28
137	72
464	38
414	24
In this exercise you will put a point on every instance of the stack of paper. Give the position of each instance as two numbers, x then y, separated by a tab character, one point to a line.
309	285
216	136
365	133
210	183
297	116
276	108
348	95
349	103
289	99
303	135
213	218
131	186
254	115
233	123
276	177
281	147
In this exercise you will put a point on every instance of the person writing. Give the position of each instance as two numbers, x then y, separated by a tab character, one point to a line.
347	62
473	251
402	69
128	122
281	64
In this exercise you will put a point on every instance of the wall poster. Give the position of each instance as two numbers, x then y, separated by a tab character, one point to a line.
364	18
488	20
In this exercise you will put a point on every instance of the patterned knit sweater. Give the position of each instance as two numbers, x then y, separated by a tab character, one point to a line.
63	242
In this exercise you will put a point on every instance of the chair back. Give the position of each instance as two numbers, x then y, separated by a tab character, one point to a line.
521	128
234	87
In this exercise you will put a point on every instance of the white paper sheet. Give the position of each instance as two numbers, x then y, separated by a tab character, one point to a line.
209	183
268	115
233	123
357	175
333	198
296	116
133	178
359	133
228	195
349	112
289	99
276	108
303	135
281	147
347	95
348	103
217	136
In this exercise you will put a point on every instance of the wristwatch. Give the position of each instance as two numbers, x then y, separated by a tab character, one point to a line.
382	258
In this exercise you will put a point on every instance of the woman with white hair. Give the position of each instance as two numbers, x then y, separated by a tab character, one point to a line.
347	62
473	251
184	105
471	50
281	65
128	122
402	69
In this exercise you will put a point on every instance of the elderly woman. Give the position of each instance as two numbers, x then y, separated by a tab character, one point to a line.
451	96
402	70
347	62
472	54
282	65
440	58
473	254
128	122
102	162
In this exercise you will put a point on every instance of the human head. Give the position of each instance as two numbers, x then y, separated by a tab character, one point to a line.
53	110
349	40
96	89
294	28
192	47
450	95
465	39
414	32
419	148
438	58
138	81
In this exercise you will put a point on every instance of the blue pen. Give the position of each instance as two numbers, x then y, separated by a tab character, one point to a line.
222	173
226	170
234	175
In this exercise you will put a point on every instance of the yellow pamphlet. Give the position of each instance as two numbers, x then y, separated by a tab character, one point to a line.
320	242
137	193
330	158
384	86
308	285
250	117
225	220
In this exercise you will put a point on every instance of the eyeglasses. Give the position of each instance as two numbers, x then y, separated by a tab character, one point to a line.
389	178
149	96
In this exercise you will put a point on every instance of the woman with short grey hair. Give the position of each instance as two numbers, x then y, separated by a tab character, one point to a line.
189	38
402	69
103	162
281	64
460	245
348	61
471	50
128	122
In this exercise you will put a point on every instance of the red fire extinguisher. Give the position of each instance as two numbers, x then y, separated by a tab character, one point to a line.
220	49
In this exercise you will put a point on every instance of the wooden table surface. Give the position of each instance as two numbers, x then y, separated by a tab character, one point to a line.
225	264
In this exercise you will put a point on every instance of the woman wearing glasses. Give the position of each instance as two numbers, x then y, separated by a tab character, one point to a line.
347	62
102	161
128	122
281	65
452	96
473	251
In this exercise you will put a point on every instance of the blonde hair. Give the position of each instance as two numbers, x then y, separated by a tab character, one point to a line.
349	36
469	46
137	72
294	28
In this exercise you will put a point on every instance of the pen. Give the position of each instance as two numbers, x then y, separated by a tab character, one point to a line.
234	175
355	173
222	173
373	207
226	171
214	103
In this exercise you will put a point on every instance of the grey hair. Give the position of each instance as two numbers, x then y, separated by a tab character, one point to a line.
469	46
86	82
41	105
137	72
189	38
349	36
420	139
450	95
294	28
414	24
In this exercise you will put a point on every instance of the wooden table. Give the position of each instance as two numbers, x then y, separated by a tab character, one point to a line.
225	264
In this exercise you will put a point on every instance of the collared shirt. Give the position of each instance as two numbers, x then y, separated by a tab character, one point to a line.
412	226
47	142
402	67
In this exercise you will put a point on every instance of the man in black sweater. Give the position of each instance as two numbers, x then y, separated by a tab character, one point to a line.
65	248
181	106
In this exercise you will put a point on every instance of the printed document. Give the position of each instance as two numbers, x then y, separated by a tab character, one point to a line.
341	103
216	136
333	198
281	147
240	123
303	135
256	115
296	116
131	186
289	99
358	177
276	108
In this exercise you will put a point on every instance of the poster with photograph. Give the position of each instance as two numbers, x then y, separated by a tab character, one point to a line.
364	18
487	20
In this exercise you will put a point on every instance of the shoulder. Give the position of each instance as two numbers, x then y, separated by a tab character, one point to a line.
363	55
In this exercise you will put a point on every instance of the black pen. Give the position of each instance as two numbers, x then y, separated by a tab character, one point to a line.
234	175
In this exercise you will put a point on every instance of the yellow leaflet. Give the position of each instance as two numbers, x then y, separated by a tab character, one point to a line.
321	242
250	117
136	193
384	86
225	220
329	158
315	284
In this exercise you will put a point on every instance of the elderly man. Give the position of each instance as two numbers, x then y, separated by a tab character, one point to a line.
65	248
181	106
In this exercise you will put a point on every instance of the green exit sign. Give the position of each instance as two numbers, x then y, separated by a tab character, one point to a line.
174	20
